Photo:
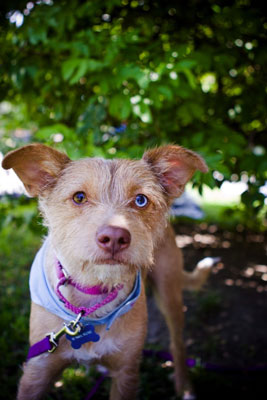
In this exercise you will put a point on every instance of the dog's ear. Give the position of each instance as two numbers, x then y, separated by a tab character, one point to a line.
174	166
36	165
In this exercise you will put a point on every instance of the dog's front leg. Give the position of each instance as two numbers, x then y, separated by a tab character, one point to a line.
125	382
124	364
124	371
38	374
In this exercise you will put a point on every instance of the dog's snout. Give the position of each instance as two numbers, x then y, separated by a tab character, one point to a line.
113	239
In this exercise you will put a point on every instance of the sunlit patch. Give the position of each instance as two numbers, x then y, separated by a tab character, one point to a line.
183	240
189	342
59	384
217	268
226	244
256	270
205	239
58	137
209	83
199	239
167	364
229	282
213	228
261	268
249	272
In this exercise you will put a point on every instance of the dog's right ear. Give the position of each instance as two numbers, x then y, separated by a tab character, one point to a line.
174	166
36	165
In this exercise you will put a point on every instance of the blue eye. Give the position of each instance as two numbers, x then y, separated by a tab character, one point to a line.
141	200
79	198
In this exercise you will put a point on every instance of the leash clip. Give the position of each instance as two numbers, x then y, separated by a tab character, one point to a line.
73	328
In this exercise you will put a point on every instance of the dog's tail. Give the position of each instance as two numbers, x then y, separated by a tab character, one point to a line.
195	279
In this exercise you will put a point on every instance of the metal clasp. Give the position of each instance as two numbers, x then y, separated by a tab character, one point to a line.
73	328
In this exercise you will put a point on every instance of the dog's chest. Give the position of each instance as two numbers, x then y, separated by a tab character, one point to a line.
91	352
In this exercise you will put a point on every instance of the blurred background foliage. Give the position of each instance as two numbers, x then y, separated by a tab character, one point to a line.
113	77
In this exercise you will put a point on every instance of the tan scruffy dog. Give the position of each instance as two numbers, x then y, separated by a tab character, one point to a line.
107	230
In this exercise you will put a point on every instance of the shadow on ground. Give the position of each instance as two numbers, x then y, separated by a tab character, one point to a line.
226	322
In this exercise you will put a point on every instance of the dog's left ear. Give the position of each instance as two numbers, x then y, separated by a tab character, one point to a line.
36	165
174	166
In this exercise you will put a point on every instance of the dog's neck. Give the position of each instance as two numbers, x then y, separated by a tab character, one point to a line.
80	299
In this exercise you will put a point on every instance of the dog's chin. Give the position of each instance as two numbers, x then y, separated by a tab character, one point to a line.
111	273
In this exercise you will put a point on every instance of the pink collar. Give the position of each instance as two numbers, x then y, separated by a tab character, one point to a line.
64	278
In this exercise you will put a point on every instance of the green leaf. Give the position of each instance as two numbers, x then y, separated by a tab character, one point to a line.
80	71
185	64
68	67
166	91
213	159
47	133
93	65
140	76
191	78
120	106
75	68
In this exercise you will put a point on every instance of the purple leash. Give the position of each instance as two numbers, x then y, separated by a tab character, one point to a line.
190	362
96	386
40	347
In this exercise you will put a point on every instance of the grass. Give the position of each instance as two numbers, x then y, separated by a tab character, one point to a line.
224	208
17	249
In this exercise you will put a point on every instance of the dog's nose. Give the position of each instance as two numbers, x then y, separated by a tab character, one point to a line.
113	239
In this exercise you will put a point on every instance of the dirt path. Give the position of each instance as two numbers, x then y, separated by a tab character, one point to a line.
226	323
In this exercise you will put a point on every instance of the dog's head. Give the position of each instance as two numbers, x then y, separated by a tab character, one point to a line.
104	217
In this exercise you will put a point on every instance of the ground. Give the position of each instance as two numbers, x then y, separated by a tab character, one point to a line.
225	323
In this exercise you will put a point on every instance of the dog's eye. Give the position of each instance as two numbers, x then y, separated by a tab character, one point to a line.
79	198
141	200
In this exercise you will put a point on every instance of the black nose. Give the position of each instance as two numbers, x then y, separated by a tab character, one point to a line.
113	239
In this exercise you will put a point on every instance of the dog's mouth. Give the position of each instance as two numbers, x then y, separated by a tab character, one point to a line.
109	261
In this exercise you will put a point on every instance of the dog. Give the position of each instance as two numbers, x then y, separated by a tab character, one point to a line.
108	233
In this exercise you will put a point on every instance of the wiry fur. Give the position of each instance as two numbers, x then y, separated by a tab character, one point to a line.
110	188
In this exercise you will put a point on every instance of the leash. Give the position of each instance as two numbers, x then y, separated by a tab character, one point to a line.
50	342
96	386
